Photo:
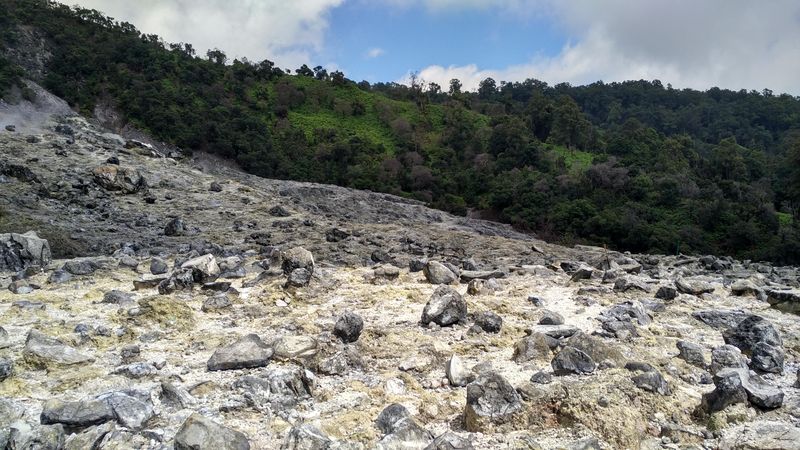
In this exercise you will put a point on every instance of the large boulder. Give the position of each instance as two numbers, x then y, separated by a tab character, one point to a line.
445	307
491	402
750	331
297	258
737	386
200	433
116	178
247	352
277	388
348	327
437	273
129	408
44	351
204	268
18	251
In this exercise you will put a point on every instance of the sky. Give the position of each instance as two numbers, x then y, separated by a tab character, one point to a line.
734	44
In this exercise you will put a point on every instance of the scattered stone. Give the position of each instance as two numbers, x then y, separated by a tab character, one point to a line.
691	353
766	358
130	351
116	178
204	268
136	370
131	409
736	386
652	381
295	347
491	401
298	278
182	280
446	307
570	361
279	211
59	276
158	266
721	318
598	350
306	437
348	327
215	187
750	331
761	435
489	321
483	287
42	351
532	347
457	373
437	273
666	293
693	287
20	287
450	441
542	377
19	251
744	287
117	297
6	368
386	272
247	352
297	258
388	420
216	303
551	318
726	356
470	275
79	267
200	433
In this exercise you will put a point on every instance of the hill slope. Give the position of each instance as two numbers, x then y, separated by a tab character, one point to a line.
637	165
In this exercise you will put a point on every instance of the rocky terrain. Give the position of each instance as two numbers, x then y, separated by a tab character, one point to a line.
168	300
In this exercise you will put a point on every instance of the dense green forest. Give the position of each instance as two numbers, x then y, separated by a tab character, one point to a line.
636	165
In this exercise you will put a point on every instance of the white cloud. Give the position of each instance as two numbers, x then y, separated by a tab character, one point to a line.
286	32
728	43
374	52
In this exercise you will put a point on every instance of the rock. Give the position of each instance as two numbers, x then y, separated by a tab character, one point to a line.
542	377
19	251
482	287
406	435
693	287
491	401
652	381
200	433
130	351
766	358
551	318
204	268
628	311
175	227
450	441
297	258
279	211
386	272
457	373
533	347
295	347
786	300
691	353
76	414
726	356
744	287
391	416
489	321
761	435
59	276
598	350
42	351
79	267
625	284
216	303
117	297
158	266
736	386
4	343
437	273
666	293
116	178
306	437
750	331
136	370
132	409
582	273
721	318
6	368
445	307
20	287
182	280
348	327
247	352
215	187
298	278
469	275
337	235
570	361
278	388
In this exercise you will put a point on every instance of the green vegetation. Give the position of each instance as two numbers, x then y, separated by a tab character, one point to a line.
635	165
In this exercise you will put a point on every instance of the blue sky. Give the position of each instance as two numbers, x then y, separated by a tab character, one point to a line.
736	44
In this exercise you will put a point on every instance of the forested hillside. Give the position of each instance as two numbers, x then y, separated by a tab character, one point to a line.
636	165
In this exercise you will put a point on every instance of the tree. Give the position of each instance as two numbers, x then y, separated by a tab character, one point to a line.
487	89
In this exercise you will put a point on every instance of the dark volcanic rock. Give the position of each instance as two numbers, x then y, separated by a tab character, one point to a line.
766	358
570	360
491	400
691	353
18	251
200	433
750	331
489	321
348	327
437	273
175	227
551	318
116	178
247	352
445	307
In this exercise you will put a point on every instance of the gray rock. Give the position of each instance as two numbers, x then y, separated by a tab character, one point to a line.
200	433
406	435
298	278
4	342
18	251
215	187
750	331
386	272
20	287
745	287
491	400
216	303
76	414
457	373
6	368
137	370
469	275
652	381
597	350
42	351
693	287
483	287
691	353
628	311
551	318
295	347
761	435
766	358
247	352
182	280
721	318
445	307
736	386
786	300
175	396
306	437
532	347
389	419
158	266
117	297
666	293
59	276
450	441
175	227
489	321
132	409
277	388
437	273
348	327
204	268
297	258
570	361
79	267
726	356
542	377
121	179
625	284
